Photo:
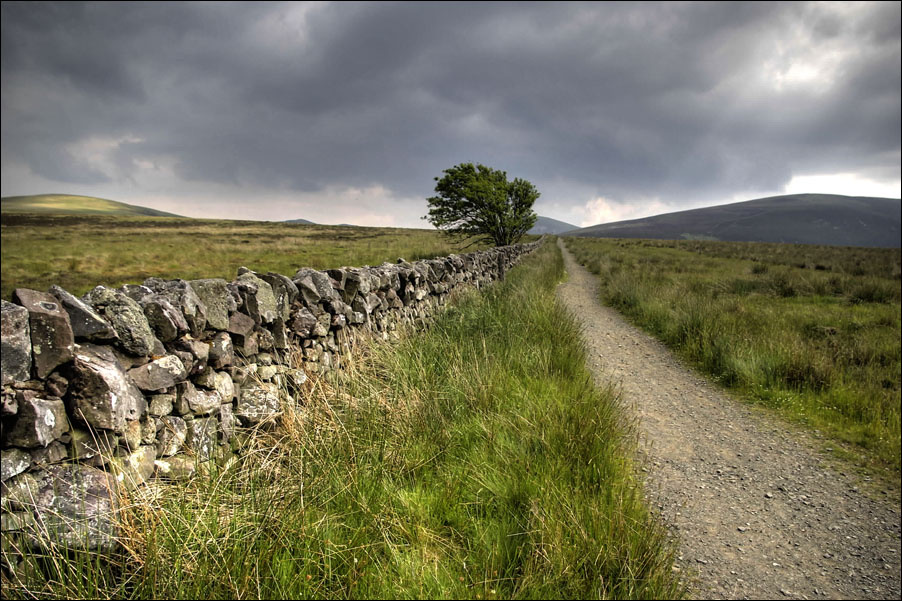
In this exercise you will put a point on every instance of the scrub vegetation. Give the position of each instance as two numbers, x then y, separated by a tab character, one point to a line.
811	331
474	460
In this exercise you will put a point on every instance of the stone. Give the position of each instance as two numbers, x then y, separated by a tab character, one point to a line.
100	393
126	317
246	346
194	354
132	434
182	296
86	323
55	452
200	402
352	285
96	445
38	422
15	344
241	324
202	434
135	468
302	321
159	374
18	521
392	300
56	385
284	290
243	374
296	377
279	334
177	467
265	340
52	341
313	286
214	293
373	302
267	372
76	506
258	298
135	292
161	404
323	323
199	349
20	490
167	321
8	403
257	404
221	351
219	381
149	430
171	435
227	423
13	462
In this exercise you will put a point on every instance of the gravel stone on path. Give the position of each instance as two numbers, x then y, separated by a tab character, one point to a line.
757	512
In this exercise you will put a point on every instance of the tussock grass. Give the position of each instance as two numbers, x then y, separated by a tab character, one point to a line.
475	460
813	332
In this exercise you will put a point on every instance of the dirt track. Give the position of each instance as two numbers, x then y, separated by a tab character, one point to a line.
756	511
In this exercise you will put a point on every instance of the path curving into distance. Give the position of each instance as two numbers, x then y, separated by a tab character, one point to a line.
757	512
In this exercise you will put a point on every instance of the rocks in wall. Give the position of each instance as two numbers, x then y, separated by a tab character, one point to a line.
16	344
150	380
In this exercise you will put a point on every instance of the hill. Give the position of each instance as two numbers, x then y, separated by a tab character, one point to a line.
797	218
300	221
71	204
547	225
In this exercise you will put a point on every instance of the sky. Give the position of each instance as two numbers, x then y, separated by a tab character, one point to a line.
347	112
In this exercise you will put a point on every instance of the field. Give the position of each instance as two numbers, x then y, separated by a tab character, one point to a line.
813	332
474	460
79	252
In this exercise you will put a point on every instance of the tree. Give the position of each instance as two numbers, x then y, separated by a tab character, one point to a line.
478	202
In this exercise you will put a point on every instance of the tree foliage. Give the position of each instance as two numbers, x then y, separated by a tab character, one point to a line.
478	202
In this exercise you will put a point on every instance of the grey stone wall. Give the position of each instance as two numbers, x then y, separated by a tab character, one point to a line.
122	385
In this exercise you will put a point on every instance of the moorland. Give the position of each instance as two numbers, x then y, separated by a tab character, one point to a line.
810	331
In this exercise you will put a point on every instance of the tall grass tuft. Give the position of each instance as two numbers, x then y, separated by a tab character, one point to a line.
475	460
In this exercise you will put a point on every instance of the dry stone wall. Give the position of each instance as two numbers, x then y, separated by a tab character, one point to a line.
122	385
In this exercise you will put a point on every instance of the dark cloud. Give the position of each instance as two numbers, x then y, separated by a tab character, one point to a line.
677	102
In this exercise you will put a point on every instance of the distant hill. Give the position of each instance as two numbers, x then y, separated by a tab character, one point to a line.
796	218
75	205
547	225
301	221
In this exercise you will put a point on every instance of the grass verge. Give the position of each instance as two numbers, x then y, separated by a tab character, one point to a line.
475	460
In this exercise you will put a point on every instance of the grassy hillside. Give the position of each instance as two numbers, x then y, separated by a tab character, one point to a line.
79	252
547	225
473	461
813	332
69	204
799	219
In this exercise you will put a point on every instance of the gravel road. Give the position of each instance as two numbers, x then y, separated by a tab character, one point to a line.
757	512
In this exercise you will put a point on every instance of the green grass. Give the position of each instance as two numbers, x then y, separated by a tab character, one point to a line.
79	252
75	205
812	332
475	460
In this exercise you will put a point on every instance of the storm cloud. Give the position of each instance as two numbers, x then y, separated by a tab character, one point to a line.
344	112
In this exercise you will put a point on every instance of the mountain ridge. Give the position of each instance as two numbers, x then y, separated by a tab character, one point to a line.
829	219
